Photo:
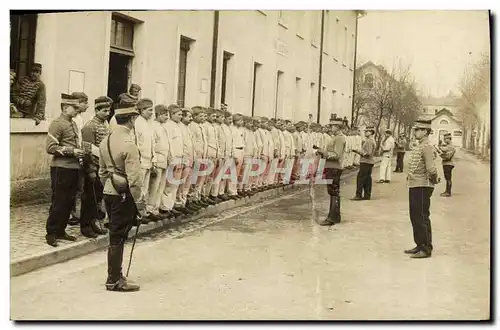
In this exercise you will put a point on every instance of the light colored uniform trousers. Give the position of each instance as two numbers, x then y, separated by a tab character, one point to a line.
156	188
170	191
184	188
216	183
146	177
385	167
235	187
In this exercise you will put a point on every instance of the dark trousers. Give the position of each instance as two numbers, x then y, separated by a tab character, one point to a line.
400	156
447	169
364	180
91	200
420	203
333	187
121	213
64	185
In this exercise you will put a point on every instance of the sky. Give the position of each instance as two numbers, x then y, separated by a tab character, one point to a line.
438	45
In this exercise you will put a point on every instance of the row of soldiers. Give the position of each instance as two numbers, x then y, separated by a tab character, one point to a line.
175	139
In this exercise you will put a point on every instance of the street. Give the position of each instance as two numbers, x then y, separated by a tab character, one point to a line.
272	262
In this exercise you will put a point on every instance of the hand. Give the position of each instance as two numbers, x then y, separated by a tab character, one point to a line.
92	176
78	153
37	121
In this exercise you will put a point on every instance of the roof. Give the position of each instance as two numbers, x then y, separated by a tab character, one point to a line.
444	112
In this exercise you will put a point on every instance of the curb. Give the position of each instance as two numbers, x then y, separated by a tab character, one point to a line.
64	253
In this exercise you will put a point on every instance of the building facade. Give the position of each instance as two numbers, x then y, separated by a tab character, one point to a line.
267	63
444	122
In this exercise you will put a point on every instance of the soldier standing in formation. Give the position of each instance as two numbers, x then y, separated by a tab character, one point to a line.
446	154
67	156
364	178
333	154
422	176
122	176
400	152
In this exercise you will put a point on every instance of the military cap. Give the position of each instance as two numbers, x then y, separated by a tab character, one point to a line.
197	110
102	102
37	66
160	109
423	124
81	96
68	99
125	109
144	104
185	110
173	108
135	86
447	135
337	122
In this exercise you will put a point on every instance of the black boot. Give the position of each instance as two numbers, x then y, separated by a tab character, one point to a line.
336	208
116	281
88	232
51	240
330	219
97	229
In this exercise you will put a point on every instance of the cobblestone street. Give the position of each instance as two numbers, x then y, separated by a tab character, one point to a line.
272	262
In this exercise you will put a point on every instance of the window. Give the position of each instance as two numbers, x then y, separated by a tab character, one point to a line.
338	38
333	102
297	102
185	45
315	27
301	19
443	122
282	19
327	34
256	86
225	60
457	133
368	83
122	35
279	95
313	98
22	43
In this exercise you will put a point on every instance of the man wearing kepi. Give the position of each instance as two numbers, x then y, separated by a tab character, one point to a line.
64	146
333	154
422	176
93	133
122	177
366	161
447	151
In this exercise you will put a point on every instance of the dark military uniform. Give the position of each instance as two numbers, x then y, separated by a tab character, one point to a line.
422	176
366	162
447	153
121	207
93	133
62	140
400	153
334	155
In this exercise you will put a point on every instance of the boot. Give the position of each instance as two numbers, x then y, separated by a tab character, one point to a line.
66	237
330	220
97	229
88	232
51	240
116	281
336	208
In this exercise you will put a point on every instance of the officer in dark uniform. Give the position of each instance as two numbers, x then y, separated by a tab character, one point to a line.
120	173
334	154
422	176
446	152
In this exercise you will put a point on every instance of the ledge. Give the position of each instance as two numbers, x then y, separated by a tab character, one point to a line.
27	125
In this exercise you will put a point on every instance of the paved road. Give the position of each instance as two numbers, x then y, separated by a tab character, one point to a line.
273	263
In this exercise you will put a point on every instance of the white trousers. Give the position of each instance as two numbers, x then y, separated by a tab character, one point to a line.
385	168
156	188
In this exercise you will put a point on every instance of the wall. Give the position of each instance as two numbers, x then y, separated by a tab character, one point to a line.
451	127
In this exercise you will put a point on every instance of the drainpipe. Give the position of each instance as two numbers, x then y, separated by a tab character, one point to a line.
320	85
358	16
213	73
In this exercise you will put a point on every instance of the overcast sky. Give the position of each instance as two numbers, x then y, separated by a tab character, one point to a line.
435	43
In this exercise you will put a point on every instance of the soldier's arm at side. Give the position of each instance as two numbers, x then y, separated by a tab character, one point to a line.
133	170
428	155
52	145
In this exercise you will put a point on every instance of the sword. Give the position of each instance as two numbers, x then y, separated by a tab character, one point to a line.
138	218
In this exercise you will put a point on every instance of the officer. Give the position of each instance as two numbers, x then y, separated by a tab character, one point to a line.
422	176
334	154
446	154
121	175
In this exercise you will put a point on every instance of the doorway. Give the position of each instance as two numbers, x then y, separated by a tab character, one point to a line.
117	77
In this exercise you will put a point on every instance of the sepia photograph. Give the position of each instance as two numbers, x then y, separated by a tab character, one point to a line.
250	165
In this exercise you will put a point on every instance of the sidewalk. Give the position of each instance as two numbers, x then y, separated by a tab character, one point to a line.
27	231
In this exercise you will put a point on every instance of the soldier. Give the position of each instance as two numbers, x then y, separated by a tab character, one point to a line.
184	193
299	154
386	162
93	133
400	152
170	203
268	152
29	95
279	143
200	150
145	142
333	154
364	178
236	188
122	175
291	150
163	160
132	97
357	146
227	122
212	146
221	156
422	176
447	151
249	154
260	152
67	157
